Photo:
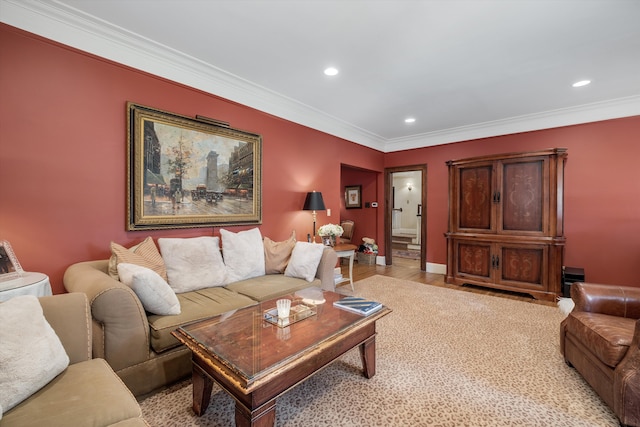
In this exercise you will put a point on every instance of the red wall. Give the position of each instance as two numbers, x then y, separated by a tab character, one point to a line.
63	148
602	192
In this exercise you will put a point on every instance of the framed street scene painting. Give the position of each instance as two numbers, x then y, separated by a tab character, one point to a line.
190	172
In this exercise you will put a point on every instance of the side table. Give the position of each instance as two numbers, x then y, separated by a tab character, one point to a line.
36	284
346	251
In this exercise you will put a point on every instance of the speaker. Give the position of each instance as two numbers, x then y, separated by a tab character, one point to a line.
571	275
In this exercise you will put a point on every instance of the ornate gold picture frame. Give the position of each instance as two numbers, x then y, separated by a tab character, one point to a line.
190	172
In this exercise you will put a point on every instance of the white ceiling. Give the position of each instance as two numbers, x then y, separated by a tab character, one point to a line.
463	68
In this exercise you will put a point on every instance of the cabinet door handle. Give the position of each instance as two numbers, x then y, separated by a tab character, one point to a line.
495	261
497	197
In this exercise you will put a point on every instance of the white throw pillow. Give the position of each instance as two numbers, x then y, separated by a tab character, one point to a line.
304	261
243	254
31	353
193	263
154	292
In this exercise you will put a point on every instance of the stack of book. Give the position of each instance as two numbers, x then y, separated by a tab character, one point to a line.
358	305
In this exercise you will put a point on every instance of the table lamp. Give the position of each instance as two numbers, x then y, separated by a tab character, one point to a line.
314	203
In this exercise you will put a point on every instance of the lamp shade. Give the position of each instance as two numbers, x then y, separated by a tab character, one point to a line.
314	202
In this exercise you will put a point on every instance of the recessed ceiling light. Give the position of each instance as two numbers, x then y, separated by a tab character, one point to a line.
581	83
409	120
331	71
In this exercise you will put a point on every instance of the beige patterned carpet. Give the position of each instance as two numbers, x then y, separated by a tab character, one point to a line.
444	358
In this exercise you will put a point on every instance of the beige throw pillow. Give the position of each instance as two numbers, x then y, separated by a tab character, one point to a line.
193	263
243	254
31	353
277	254
304	261
144	254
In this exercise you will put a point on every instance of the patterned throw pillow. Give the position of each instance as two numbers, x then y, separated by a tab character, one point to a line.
144	254
277	254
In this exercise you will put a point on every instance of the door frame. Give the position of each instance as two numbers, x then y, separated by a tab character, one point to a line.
388	211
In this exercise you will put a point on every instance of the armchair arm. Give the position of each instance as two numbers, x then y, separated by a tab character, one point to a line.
69	316
626	383
325	269
120	326
621	301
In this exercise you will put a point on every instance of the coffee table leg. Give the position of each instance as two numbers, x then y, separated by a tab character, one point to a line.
368	356
202	387
263	417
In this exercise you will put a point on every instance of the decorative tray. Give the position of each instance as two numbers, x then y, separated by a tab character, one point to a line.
298	312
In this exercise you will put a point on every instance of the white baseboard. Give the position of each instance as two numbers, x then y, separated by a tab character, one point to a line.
431	267
436	268
403	231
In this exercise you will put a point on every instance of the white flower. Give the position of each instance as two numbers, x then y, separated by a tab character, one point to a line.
330	230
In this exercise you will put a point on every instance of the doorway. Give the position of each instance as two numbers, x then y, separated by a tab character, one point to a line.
405	214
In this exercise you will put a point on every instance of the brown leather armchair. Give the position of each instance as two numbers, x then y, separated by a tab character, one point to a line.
600	339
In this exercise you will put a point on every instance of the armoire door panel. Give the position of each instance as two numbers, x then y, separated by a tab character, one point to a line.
522	265
474	259
522	196
476	185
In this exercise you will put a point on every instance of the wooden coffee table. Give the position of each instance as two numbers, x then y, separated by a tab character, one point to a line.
256	361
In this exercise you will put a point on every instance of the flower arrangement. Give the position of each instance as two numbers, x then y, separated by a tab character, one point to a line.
330	230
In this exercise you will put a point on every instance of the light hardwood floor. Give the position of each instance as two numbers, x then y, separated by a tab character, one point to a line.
408	269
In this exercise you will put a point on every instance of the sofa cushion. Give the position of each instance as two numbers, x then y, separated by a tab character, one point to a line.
243	254
304	261
31	353
154	292
85	391
270	286
277	254
193	263
608	337
196	305
144	254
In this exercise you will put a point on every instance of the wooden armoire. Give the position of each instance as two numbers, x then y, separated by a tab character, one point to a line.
506	226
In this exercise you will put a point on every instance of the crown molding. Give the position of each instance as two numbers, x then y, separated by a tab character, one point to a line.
598	111
71	27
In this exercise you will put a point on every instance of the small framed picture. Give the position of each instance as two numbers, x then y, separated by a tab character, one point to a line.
353	196
9	266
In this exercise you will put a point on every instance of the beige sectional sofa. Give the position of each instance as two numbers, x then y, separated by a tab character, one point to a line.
139	345
87	392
